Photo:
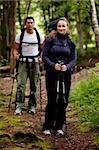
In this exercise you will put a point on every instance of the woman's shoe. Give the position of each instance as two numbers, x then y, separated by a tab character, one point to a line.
59	132
47	132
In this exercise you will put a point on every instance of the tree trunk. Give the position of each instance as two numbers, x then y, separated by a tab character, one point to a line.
12	18
79	30
1	18
45	20
19	14
12	31
7	26
4	30
95	22
28	7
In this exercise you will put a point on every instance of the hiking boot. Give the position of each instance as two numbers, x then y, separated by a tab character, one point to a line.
32	110
47	132
59	132
18	111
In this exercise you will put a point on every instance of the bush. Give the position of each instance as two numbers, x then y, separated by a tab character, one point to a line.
85	98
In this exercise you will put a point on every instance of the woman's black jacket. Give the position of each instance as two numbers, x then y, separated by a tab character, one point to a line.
62	49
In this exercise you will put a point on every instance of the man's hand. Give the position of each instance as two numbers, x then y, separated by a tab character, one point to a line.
40	60
15	51
16	55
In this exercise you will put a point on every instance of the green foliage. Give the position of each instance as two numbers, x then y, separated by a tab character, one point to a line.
89	54
77	12
86	100
3	61
44	11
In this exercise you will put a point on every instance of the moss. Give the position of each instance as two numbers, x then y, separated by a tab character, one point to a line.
42	145
13	148
3	123
4	138
3	131
96	139
9	121
16	148
2	102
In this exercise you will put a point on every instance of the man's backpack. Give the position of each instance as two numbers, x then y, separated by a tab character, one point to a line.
21	39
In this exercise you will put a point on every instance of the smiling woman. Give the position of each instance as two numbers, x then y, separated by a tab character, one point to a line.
59	56
63	26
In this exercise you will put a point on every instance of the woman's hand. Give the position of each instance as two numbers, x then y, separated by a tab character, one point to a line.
58	67
63	67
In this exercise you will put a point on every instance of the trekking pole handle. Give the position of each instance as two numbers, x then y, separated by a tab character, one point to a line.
60	62
63	66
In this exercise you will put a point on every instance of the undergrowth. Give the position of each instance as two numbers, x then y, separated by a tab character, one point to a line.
85	98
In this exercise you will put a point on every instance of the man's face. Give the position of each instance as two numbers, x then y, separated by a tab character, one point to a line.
30	24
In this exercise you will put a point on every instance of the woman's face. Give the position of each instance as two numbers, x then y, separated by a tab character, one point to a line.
62	27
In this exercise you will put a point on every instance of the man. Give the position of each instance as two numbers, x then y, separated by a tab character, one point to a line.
26	53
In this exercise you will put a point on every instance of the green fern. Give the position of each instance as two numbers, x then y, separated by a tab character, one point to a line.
85	98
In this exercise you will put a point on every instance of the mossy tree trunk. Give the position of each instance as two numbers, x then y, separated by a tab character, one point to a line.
7	27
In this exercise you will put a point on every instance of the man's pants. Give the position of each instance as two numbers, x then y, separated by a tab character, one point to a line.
24	71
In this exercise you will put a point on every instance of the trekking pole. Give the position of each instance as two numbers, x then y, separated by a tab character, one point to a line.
57	88
58	85
64	99
62	76
9	105
12	75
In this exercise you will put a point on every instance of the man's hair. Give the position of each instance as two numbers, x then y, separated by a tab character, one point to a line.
29	17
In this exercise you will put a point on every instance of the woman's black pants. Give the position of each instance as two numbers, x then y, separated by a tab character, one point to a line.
55	111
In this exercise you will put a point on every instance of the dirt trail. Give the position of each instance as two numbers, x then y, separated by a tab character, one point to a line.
73	140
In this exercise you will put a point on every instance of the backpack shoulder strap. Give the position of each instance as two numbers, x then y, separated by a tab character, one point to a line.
71	43
21	38
38	38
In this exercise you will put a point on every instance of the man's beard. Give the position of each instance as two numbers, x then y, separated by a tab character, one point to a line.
30	30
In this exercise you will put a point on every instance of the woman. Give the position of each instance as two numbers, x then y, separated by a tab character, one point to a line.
59	57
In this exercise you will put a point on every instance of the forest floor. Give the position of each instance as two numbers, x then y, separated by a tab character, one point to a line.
25	132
